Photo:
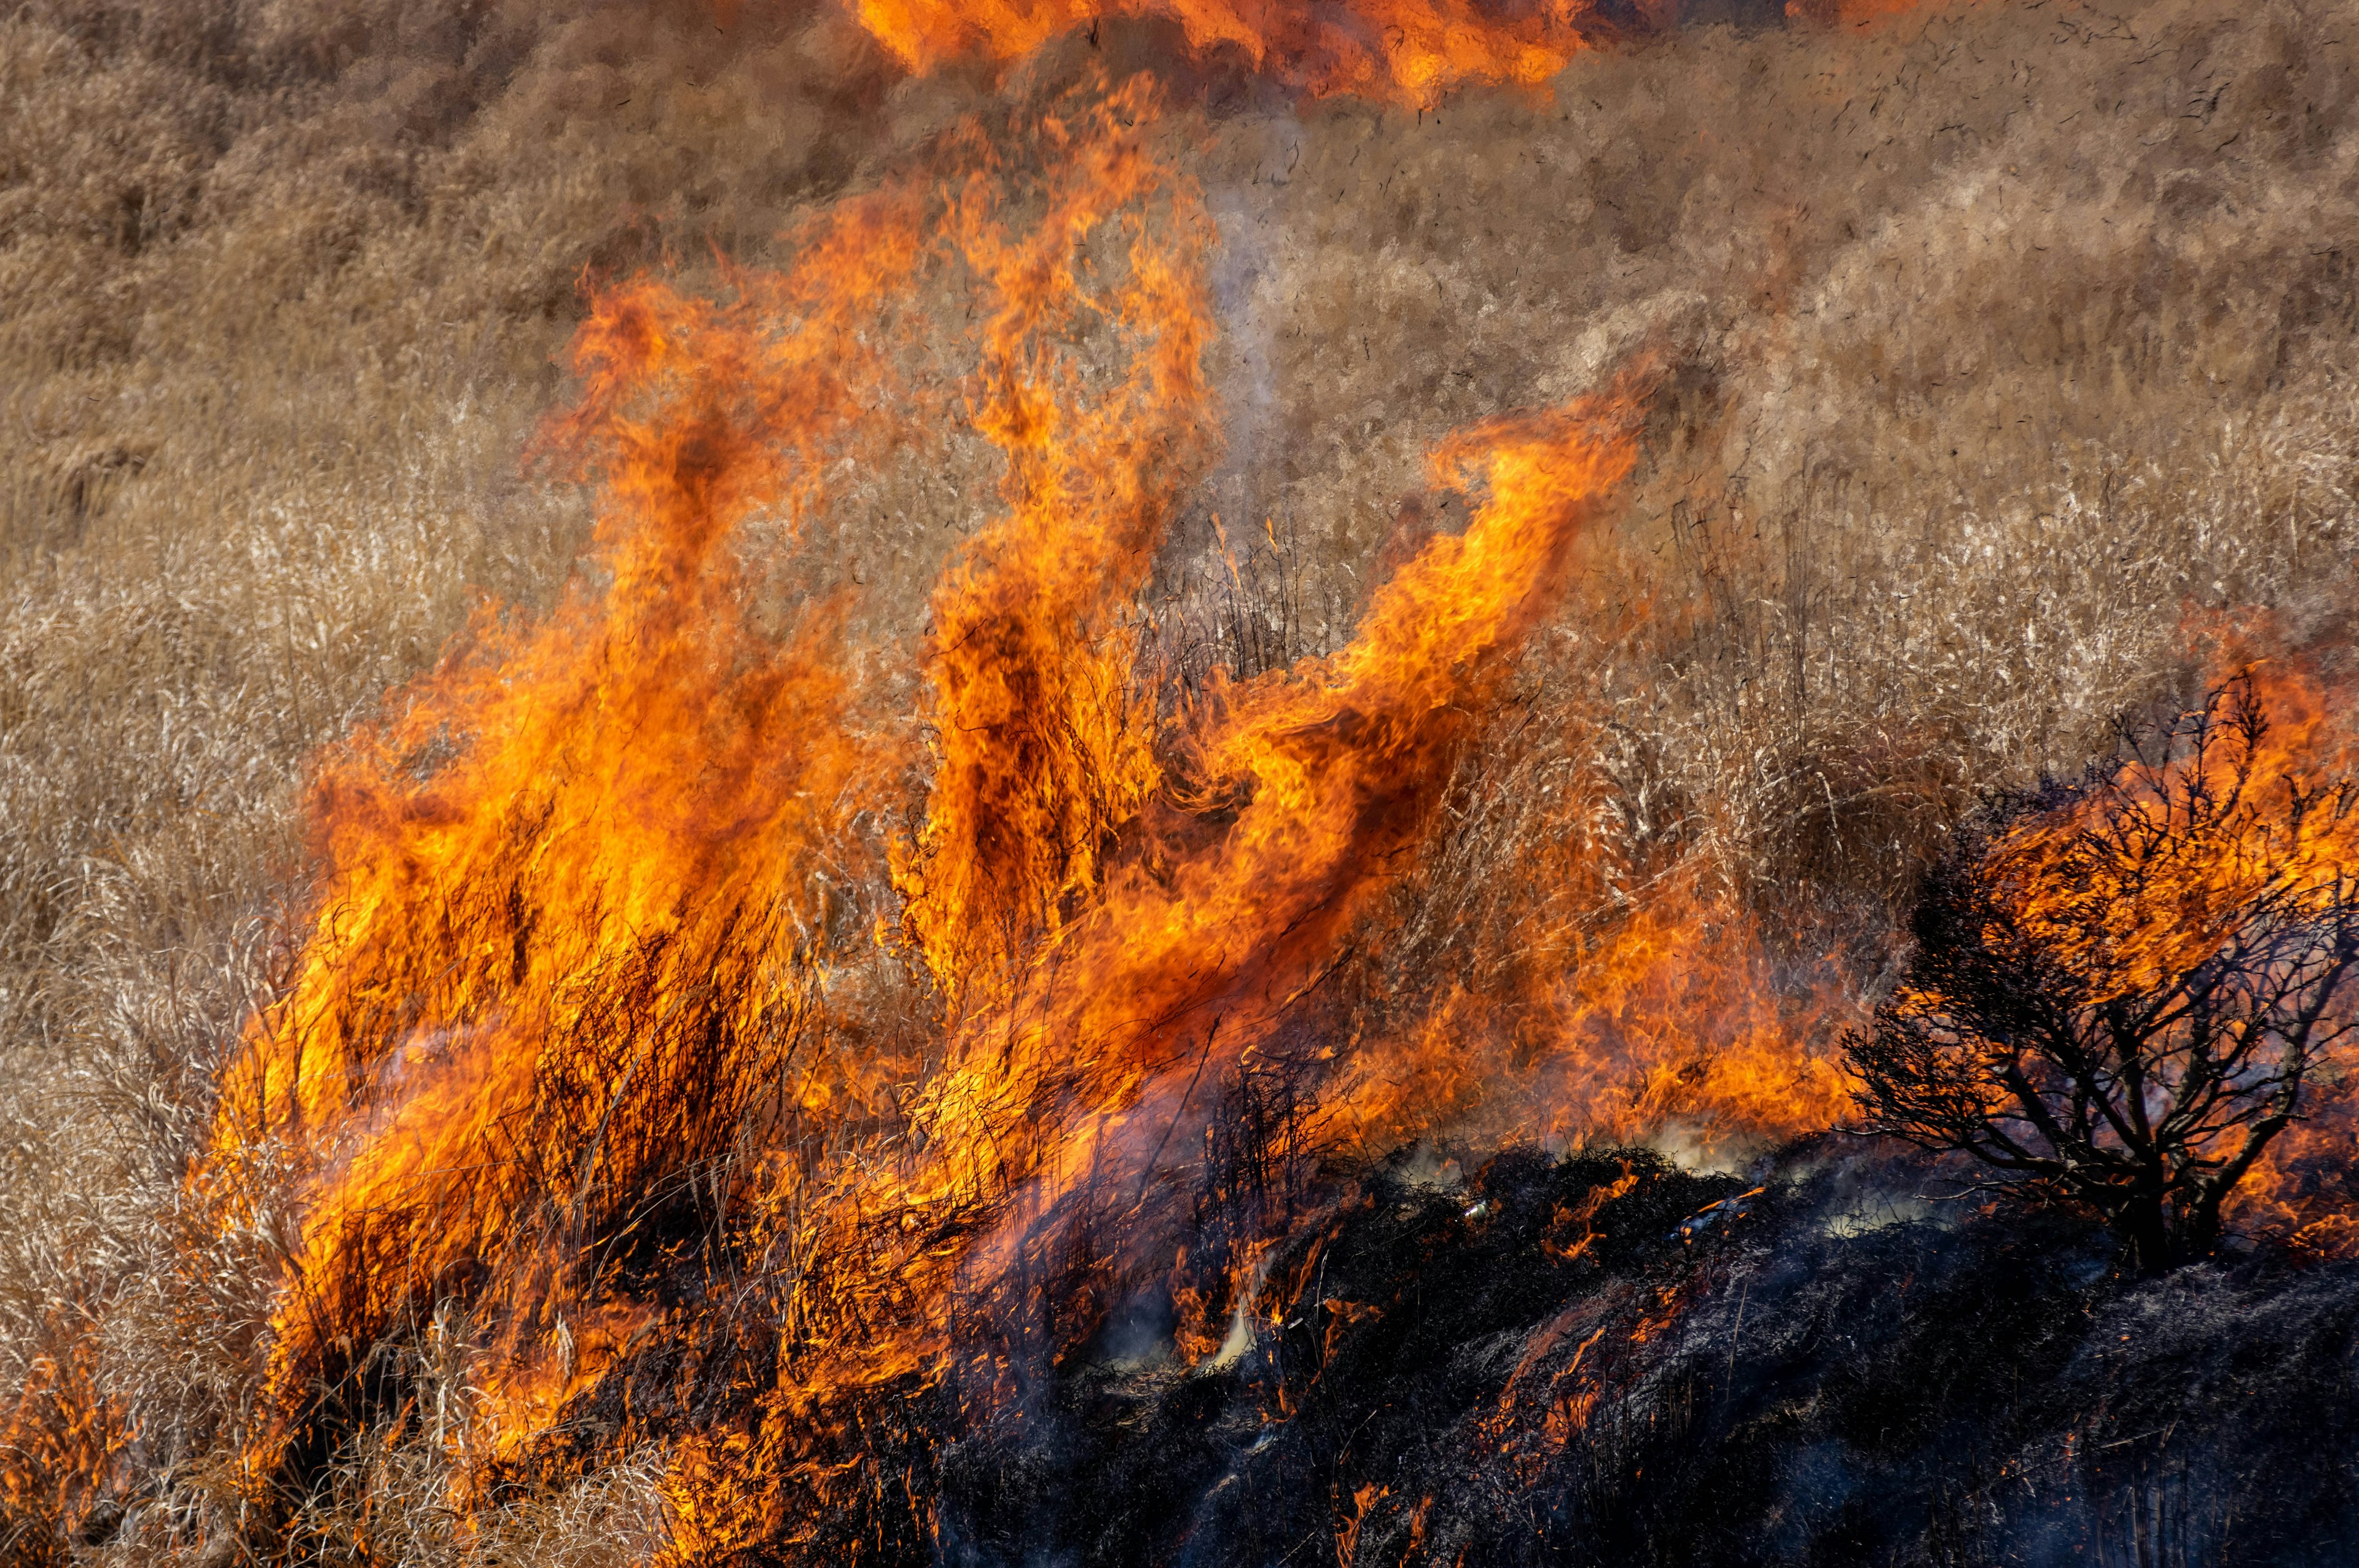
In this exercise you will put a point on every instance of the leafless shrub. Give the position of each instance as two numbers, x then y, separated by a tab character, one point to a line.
2120	992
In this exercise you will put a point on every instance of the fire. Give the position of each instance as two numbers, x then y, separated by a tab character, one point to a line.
1339	763
1408	52
1672	1023
1058	1108
577	870
1043	743
2169	920
2186	919
581	902
618	1002
2300	1186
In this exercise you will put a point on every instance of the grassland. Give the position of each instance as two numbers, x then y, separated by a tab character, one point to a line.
2010	351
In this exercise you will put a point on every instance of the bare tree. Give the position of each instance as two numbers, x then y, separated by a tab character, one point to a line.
2121	988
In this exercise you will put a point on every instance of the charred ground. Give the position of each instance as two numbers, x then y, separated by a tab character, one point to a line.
1851	1375
1841	1355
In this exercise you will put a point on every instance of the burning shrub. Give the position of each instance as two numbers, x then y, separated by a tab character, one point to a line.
2122	988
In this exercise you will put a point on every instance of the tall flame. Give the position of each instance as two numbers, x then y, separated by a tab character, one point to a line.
573	1037
1042	743
583	888
1068	1097
1336	766
526	946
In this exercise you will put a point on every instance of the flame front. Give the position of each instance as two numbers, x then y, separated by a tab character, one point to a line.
623	1004
1403	51
1068	1108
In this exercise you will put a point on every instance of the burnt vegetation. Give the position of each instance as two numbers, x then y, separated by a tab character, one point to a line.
1606	1360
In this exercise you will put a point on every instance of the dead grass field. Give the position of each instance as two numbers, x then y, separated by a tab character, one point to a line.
2006	343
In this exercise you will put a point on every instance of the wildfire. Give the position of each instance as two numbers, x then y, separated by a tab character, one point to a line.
601	1017
575	872
2269	846
2126	991
1054	1113
1044	751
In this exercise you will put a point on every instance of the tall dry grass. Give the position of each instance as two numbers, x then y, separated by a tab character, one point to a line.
282	287
2000	342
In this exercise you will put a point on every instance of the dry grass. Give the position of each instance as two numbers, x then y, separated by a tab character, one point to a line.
282	287
1997	340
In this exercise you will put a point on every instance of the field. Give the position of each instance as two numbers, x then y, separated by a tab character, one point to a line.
1992	388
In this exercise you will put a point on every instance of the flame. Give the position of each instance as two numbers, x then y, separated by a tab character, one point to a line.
1408	52
613	886
1072	1093
581	899
1673	1025
1043	748
2179	908
2300	1189
2201	837
1338	763
589	1026
596	1027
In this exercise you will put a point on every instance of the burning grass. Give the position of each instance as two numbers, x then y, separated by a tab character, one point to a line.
1144	645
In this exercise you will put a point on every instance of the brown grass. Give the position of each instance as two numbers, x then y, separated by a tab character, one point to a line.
1999	340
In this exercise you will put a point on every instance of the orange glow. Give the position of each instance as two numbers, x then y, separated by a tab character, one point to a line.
1104	1060
2301	1189
1669	1025
1407	52
2128	925
1337	765
1042	748
582	901
573	869
2177	913
616	993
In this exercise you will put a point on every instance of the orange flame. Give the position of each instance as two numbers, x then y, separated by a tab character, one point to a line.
2301	1189
2198	838
1407	52
1338	764
1043	747
1670	1024
553	974
526	947
1072	1091
572	1020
